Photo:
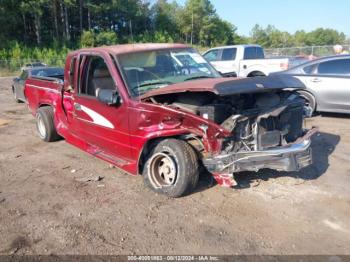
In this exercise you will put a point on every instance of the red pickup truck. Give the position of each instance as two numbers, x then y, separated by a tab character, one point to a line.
162	111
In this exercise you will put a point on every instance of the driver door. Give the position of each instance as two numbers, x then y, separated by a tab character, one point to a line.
105	128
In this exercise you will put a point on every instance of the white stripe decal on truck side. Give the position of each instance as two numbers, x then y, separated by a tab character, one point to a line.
97	118
44	88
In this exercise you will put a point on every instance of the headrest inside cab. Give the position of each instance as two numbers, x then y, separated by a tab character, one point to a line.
101	73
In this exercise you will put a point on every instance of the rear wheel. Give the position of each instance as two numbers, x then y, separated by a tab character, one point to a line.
172	168
45	124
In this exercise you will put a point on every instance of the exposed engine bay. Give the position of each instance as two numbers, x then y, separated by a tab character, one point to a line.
257	121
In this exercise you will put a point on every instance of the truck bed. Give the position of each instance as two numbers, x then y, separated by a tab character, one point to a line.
42	91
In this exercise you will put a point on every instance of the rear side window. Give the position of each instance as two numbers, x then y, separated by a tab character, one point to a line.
253	53
309	69
212	55
335	67
229	54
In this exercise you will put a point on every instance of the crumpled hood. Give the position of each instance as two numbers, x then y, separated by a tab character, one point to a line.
230	86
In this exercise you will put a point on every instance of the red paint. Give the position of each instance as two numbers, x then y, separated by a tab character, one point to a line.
225	180
135	122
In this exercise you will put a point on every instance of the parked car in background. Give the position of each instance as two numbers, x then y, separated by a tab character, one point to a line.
245	61
294	60
327	82
18	82
162	111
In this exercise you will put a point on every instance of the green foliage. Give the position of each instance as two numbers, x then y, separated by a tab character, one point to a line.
92	39
322	36
270	37
165	17
106	38
162	37
17	55
87	39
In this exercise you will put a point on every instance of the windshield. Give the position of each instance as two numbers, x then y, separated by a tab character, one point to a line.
151	70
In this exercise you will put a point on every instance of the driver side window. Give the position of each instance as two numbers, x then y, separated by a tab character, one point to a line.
95	76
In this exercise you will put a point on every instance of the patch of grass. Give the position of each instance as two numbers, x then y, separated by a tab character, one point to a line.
7	72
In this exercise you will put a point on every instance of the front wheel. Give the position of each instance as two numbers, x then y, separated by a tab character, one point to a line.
172	168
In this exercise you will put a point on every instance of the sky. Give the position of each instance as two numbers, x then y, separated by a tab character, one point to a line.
286	15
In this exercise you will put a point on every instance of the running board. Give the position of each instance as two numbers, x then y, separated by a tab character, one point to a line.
128	166
112	158
109	157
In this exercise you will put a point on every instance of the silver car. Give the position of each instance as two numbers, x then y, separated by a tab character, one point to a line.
18	82
327	82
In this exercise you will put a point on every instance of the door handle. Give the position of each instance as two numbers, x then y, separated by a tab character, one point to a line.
316	80
77	107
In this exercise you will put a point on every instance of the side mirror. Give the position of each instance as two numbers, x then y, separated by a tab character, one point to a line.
109	97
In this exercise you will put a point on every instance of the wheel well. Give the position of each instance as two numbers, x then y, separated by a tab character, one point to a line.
150	144
147	148
256	73
44	105
310	94
40	106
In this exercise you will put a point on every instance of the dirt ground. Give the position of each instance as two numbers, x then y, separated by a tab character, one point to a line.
46	207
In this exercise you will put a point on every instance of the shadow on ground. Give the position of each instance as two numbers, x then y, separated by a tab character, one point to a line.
334	115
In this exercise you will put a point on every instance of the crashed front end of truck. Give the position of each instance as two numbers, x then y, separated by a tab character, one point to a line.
273	138
263	119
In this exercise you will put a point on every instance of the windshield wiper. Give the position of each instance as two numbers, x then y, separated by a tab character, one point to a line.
150	84
197	77
155	83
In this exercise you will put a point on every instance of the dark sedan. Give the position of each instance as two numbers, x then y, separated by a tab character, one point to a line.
327	82
18	82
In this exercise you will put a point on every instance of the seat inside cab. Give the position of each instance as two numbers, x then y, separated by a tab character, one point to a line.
98	76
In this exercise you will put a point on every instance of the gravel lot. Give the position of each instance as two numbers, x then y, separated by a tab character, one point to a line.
47	208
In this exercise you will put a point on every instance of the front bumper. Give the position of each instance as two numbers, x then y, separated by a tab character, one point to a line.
292	157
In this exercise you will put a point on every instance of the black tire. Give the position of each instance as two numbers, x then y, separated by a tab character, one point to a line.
310	100
45	124
179	155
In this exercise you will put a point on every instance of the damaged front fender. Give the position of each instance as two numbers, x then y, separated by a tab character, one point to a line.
291	157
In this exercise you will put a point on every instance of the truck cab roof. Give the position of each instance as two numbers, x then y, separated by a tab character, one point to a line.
235	46
132	48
